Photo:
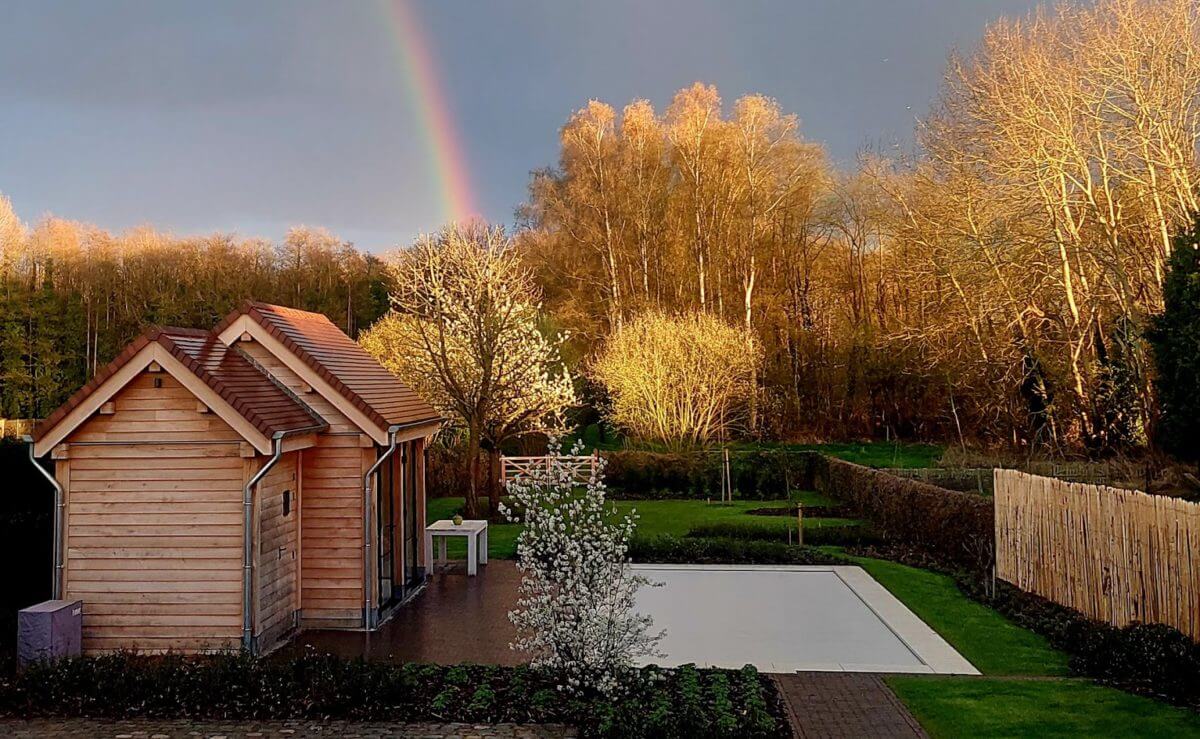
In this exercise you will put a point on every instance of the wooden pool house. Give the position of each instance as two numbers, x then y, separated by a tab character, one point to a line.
227	488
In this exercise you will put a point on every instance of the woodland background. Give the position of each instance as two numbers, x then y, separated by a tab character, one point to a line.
990	286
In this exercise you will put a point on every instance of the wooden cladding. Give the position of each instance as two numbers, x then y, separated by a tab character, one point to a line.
154	546
1119	556
153	542
331	529
142	412
277	563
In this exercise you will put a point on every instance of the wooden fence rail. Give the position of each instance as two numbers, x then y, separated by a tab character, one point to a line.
583	467
15	427
1116	555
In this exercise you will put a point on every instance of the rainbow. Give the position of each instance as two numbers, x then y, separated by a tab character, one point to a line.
446	159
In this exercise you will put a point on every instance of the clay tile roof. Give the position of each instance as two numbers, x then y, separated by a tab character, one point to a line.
341	362
261	400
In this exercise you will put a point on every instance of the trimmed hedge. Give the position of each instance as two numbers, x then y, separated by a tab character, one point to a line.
952	526
667	549
810	511
679	702
854	535
756	475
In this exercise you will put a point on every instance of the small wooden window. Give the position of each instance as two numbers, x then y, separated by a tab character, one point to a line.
287	502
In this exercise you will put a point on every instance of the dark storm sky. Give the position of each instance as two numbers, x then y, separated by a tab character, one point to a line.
253	116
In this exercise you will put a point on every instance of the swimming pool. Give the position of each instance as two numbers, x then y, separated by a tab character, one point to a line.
786	619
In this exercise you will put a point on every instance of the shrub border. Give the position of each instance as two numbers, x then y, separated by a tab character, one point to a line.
677	702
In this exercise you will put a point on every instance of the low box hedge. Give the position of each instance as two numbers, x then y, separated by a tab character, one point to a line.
852	535
659	702
667	549
810	511
953	526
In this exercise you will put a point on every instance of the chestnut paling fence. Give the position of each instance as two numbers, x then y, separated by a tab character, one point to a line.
1116	555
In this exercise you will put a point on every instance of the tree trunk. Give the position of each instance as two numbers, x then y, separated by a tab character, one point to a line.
493	484
471	507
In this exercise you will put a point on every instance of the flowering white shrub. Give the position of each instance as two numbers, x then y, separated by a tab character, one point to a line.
575	612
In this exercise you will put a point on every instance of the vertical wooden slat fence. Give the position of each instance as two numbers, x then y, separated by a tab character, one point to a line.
1116	555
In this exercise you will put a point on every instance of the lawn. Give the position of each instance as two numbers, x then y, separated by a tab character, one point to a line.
869	453
675	517
999	707
1024	691
995	645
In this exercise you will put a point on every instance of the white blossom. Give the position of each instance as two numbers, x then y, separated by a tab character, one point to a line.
575	612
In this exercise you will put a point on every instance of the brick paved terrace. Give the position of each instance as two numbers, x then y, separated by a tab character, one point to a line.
455	619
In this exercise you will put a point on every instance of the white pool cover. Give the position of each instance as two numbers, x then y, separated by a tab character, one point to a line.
784	619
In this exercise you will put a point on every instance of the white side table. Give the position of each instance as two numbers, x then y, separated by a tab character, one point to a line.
475	532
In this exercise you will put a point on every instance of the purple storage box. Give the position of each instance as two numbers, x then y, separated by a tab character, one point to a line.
49	630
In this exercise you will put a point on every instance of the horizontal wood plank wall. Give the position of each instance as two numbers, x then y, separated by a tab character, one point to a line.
278	543
144	413
331	523
1119	556
332	565
154	530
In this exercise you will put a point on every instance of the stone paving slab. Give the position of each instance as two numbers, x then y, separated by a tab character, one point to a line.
837	705
183	729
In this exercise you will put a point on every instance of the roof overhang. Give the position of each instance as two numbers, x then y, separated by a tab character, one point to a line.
150	353
422	430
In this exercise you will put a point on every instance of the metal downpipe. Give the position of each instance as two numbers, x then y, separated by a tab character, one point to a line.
59	506
368	580
248	544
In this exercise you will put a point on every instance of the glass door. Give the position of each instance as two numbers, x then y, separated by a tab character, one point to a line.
387	532
413	526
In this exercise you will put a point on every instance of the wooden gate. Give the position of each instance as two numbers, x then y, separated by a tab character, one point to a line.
582	467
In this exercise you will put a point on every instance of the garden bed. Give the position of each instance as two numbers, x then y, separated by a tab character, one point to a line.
810	511
658	702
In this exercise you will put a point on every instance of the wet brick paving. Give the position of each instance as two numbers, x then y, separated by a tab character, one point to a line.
840	705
